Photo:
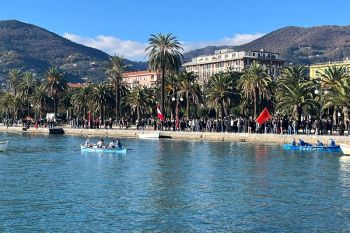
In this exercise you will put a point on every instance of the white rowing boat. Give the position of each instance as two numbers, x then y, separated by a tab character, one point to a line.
3	146
345	148
149	135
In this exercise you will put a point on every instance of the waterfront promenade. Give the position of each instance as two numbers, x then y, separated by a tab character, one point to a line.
185	135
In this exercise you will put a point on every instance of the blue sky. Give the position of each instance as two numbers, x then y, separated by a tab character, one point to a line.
123	27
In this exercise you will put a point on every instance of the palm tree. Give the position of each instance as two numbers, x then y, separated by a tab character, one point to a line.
15	76
140	99
336	82
220	91
99	97
39	98
115	75
164	56
79	100
294	91
55	85
189	86
26	87
255	85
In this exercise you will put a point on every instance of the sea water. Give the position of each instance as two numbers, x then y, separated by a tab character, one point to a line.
48	185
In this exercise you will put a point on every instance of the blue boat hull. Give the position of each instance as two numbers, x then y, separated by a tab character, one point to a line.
102	150
312	148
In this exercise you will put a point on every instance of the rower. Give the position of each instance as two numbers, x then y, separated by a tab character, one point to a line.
293	142
100	143
332	142
87	143
119	144
302	143
112	144
319	143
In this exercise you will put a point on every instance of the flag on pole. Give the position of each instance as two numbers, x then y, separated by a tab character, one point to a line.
263	117
159	114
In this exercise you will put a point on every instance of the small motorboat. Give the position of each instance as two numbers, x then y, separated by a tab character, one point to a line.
345	148
102	150
149	135
3	146
312	148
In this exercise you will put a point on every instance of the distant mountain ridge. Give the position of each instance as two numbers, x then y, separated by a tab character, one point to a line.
297	44
31	48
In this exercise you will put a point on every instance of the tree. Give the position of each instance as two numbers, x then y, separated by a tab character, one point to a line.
115	76
140	99
79	100
220	90
26	87
294	91
15	77
55	85
39	98
255	85
189	86
164	56
99	97
336	82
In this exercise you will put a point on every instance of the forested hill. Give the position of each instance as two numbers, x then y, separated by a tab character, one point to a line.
32	48
298	44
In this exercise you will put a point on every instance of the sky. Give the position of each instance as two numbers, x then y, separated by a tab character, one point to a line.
123	27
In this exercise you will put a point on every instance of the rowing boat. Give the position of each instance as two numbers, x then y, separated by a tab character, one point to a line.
312	148
3	146
345	149
102	150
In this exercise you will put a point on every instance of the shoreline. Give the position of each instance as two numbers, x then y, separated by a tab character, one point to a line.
185	135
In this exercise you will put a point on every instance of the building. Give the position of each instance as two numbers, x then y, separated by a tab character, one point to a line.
315	69
143	78
225	59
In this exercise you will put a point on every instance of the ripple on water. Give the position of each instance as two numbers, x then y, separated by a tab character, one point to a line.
46	184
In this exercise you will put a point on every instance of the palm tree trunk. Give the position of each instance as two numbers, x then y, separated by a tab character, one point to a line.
187	105
117	104
346	114
222	109
162	91
254	102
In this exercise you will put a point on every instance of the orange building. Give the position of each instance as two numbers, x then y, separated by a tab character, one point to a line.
143	78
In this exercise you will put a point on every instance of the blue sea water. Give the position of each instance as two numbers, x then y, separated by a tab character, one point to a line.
48	185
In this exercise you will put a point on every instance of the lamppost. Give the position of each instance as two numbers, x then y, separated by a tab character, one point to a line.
177	110
54	107
320	93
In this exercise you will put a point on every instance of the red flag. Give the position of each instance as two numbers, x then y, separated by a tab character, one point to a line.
264	116
159	114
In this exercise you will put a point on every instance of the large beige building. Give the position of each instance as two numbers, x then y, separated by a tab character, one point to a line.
315	69
143	78
225	59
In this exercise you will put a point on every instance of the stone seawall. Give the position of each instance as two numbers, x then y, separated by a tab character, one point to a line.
184	135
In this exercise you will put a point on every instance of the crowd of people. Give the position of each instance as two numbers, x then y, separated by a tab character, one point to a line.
239	124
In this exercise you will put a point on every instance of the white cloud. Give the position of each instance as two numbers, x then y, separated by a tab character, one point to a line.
237	39
136	50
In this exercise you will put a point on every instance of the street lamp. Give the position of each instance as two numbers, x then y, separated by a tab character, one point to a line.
320	92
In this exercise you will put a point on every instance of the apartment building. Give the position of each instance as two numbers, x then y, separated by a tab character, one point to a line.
229	59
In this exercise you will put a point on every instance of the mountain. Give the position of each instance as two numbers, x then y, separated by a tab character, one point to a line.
297	44
31	48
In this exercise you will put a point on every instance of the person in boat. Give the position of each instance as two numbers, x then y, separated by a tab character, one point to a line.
332	143
119	144
319	143
302	143
87	143
293	142
112	144
100	144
